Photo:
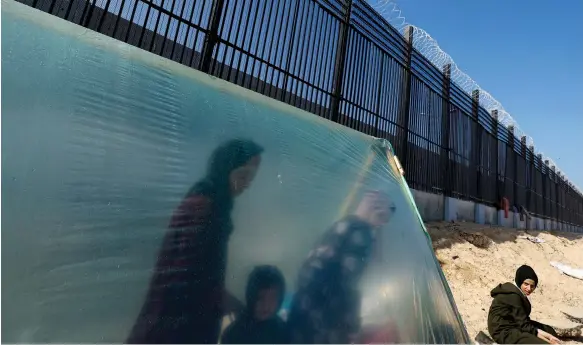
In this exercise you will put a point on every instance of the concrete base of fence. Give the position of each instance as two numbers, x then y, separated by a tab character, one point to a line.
503	221
449	209
485	214
517	223
435	207
459	210
430	205
480	212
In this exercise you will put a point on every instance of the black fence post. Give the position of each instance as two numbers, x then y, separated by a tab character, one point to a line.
212	36
539	158
555	196
532	178
524	154
478	152
379	97
546	180
405	101
514	158
340	63
446	160
495	130
560	181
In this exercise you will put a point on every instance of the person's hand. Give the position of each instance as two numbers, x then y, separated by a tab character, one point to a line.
549	338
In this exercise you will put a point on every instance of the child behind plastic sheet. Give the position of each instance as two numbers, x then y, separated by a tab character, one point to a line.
259	322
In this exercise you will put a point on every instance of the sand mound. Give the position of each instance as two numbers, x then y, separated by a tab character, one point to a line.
573	314
476	258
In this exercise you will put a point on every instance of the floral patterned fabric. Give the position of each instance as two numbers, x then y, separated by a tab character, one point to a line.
326	307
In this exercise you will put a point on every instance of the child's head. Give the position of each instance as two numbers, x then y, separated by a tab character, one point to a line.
265	292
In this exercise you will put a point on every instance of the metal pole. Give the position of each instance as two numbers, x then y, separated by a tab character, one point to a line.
511	144
212	37
446	132
545	183
406	100
524	154
477	156
340	63
496	125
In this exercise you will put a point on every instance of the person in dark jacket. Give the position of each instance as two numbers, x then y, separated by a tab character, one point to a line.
508	318
259	322
326	306
186	298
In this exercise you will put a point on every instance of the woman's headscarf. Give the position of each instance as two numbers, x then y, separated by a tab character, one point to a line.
227	157
523	273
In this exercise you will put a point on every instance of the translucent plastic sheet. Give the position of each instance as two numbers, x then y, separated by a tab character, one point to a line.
130	210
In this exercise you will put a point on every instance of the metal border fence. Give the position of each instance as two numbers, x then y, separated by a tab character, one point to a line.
341	60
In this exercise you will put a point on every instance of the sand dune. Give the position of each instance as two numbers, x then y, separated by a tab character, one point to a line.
476	258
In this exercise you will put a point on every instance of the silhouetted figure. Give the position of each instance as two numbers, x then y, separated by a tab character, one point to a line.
185	301
326	306
259	322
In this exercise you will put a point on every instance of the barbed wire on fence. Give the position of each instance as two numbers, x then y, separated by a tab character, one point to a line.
429	47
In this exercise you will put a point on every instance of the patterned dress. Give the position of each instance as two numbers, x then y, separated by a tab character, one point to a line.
326	306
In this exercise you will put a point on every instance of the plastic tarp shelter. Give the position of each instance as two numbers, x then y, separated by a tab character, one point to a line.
139	195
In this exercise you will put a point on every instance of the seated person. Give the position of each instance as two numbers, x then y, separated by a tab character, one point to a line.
508	318
259	323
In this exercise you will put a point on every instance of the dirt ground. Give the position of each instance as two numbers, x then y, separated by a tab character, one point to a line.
476	258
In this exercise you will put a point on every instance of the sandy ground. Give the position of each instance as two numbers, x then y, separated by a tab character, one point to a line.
472	270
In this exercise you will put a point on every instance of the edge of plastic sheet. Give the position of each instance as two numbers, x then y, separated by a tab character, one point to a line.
396	166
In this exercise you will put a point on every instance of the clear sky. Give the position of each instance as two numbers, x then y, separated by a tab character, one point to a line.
528	55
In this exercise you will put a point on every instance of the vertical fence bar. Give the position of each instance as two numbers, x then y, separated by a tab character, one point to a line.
495	130
514	159
526	186
545	185
531	199
405	101
446	162
212	36
559	201
379	97
478	148
560	196
539	160
340	63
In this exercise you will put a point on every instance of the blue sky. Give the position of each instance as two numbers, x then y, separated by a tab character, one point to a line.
528	55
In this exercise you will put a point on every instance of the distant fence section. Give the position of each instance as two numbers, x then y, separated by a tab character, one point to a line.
342	61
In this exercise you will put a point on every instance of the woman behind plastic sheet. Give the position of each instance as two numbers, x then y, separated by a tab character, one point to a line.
259	322
186	298
508	318
326	306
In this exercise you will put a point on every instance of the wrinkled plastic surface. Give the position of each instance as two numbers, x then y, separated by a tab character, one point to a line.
101	142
